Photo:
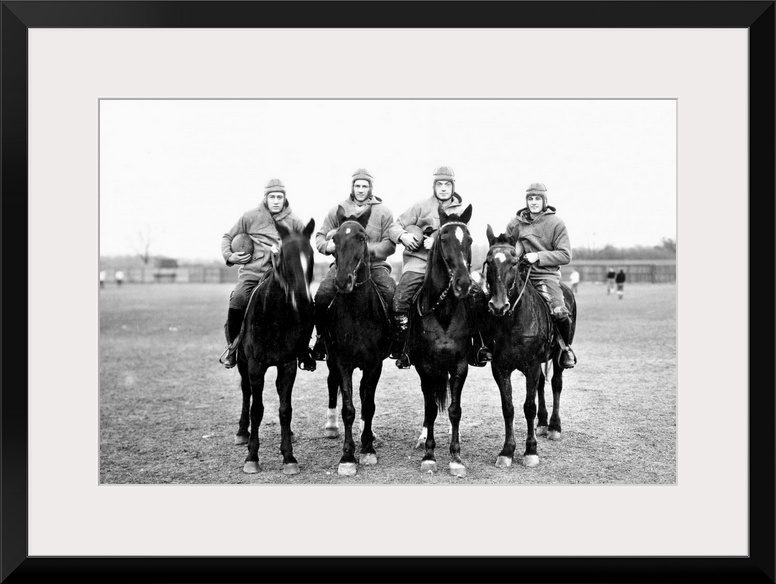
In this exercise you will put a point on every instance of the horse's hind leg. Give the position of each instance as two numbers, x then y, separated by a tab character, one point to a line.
331	429
256	373
531	458
557	387
541	424
241	438
367	390
285	386
503	380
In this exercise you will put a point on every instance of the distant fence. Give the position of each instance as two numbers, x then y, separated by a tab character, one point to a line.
653	271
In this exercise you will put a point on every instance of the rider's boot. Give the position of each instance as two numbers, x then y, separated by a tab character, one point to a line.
479	354
318	351
234	321
567	359
399	341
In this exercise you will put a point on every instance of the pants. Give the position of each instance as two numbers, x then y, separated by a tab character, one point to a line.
380	275
549	288
409	283
239	297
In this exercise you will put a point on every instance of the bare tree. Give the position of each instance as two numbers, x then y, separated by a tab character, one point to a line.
143	247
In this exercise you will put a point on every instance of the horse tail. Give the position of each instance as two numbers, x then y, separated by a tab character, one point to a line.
442	391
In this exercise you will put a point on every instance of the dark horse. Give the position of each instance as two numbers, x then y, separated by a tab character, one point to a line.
524	338
357	336
440	332
277	328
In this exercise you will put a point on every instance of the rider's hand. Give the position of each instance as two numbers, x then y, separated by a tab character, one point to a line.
532	257
428	242
330	246
409	241
239	258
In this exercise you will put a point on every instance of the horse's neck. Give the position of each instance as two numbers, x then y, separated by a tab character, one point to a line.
436	283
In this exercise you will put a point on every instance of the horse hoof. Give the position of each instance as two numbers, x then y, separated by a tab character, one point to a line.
240	440
531	460
554	435
331	432
503	462
291	468
251	467
347	469
457	469
541	430
428	466
368	459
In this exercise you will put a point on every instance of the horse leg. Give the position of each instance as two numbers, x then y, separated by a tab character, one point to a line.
457	381
256	373
541	425
361	423
531	458
285	386
241	438
503	378
423	434
331	429
367	390
347	466
428	463
557	387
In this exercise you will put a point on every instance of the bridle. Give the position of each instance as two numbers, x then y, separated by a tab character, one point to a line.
278	273
449	286
365	259
513	287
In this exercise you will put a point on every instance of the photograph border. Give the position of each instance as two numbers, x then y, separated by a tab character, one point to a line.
19	16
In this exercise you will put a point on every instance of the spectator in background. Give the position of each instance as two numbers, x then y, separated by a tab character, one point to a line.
610	280
119	277
574	281
102	278
620	280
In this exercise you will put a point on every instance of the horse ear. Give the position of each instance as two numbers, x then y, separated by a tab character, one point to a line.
467	214
340	214
513	239
282	230
364	218
309	228
489	235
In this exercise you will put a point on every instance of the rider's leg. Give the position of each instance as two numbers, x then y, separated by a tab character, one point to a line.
409	283
323	297
549	288
238	301
479	353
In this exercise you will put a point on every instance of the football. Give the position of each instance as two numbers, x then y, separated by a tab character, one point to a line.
416	231
242	242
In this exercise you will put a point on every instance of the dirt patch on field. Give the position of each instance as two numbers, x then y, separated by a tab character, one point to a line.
169	411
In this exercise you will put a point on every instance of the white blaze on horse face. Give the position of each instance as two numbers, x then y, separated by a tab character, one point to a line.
459	234
500	257
347	230
303	261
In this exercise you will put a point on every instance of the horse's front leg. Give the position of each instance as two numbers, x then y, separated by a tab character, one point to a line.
256	373
428	385
557	387
285	387
367	390
241	438
532	374
502	374
457	381
331	429
541	423
347	466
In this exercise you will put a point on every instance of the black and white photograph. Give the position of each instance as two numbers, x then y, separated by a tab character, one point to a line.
370	291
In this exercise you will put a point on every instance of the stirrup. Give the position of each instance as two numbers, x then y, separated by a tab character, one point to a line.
318	352
481	357
568	358
306	362
228	359
403	361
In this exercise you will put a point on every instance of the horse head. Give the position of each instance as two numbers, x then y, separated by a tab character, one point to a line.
351	251
293	264
454	244
502	272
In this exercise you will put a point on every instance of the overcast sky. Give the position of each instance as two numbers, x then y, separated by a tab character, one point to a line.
183	171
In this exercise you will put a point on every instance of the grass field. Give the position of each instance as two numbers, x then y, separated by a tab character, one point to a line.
169	410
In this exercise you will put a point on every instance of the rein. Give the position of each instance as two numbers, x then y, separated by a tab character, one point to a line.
446	291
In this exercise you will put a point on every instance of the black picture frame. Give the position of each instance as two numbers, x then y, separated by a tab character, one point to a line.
756	16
